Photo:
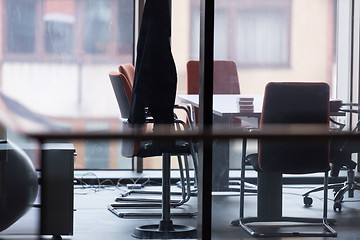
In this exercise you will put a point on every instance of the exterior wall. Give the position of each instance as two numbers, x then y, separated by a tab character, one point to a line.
310	53
69	89
181	23
63	6
84	89
311	47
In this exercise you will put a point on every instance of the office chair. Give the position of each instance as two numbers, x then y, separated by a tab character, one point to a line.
340	158
122	87
129	71
287	104
225	80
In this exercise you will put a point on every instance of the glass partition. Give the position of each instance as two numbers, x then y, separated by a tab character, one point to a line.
55	59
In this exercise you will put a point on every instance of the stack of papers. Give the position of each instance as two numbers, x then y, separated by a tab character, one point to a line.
245	104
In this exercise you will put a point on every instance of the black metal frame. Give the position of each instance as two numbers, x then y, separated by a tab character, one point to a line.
261	218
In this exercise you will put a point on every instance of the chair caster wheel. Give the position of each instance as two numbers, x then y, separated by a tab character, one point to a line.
308	201
337	207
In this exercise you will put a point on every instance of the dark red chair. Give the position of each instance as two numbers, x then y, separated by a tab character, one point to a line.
286	104
225	80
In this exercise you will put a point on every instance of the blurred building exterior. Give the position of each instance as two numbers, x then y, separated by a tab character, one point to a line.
55	55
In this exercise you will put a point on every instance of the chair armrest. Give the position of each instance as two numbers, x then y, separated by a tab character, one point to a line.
252	129
340	125
188	114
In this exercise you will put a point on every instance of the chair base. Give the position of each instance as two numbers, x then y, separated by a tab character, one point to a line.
340	189
330	232
118	211
165	230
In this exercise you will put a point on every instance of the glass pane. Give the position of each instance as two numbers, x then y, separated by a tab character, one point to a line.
97	15
261	37
56	61
125	27
59	33
20	17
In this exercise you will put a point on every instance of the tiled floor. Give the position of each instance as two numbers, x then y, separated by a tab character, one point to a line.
93	221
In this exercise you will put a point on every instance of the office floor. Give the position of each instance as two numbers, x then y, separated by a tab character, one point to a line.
93	221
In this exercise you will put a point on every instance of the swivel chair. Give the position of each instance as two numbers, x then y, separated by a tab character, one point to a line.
340	158
286	104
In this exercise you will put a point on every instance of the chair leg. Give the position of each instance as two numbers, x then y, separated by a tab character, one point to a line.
165	229
138	164
195	159
243	221
142	203
348	187
184	193
341	189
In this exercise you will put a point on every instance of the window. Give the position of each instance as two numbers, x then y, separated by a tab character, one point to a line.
262	37
96	154
125	27
253	34
221	38
59	33
96	26
56	57
81	30
20	18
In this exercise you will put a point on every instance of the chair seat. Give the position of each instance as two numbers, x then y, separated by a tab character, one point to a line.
157	148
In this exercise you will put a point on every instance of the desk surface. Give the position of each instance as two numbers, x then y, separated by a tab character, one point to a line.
225	105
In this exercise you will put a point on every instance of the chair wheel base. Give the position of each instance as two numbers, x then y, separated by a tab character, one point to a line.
153	232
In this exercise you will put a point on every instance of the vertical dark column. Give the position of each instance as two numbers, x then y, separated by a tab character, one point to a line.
358	158
269	202
166	223
205	117
138	6
352	59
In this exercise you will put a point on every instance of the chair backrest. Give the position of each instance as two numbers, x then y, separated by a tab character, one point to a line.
129	71
295	103
122	87
225	77
122	83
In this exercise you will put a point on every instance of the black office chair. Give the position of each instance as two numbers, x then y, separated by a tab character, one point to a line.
340	158
286	104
